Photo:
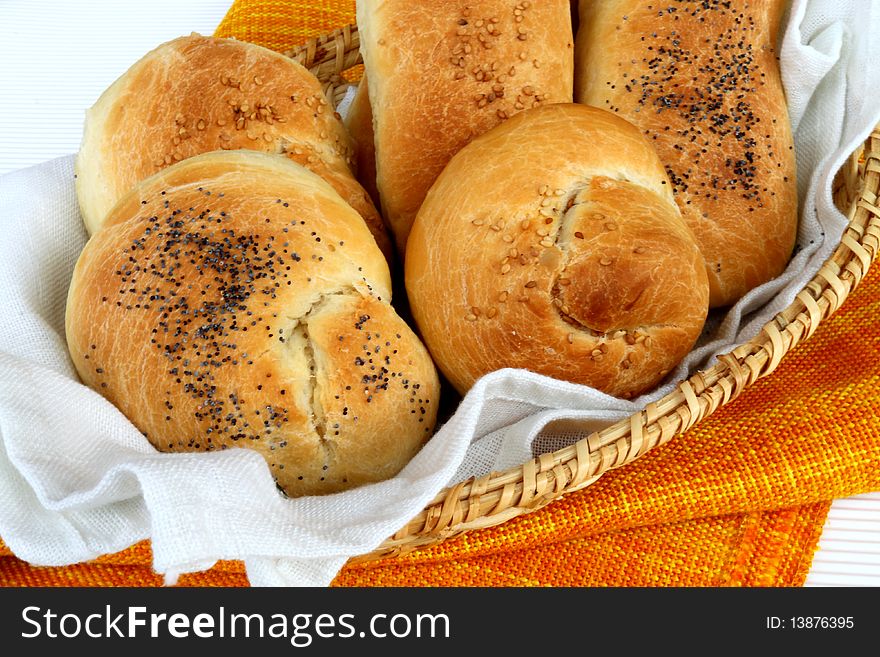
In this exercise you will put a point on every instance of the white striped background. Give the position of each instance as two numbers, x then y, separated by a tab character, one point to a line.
849	550
57	56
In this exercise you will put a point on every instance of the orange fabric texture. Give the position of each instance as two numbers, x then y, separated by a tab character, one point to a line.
282	24
740	500
753	549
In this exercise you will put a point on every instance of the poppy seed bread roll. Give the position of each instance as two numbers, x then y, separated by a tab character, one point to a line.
442	73
235	300
199	94
552	243
701	80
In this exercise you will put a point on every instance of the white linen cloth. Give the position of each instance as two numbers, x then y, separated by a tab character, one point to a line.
78	480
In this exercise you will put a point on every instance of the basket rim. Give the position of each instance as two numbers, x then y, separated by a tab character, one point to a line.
496	497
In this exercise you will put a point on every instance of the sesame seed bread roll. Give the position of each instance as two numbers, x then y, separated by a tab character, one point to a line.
442	73
552	243
198	94
235	300
701	80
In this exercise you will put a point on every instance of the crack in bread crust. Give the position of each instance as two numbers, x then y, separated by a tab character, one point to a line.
299	331
574	201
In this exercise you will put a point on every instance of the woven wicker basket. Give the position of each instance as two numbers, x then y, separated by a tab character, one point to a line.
499	496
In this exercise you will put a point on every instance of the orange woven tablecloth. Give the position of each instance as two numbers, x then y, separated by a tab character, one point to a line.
738	500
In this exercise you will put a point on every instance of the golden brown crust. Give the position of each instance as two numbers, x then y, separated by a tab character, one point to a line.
235	300
552	243
198	94
701	80
359	123
443	73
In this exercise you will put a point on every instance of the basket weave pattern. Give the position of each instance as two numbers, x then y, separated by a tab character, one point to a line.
495	498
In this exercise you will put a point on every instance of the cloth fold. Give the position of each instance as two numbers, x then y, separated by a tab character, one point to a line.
68	458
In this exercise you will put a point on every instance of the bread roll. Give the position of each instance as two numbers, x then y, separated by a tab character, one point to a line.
235	300
442	73
701	80
552	243
198	94
359	122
